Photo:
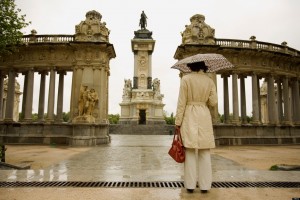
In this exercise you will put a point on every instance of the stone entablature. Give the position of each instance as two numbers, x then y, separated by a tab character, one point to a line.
262	57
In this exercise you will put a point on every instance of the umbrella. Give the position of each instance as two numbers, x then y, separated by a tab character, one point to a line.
213	61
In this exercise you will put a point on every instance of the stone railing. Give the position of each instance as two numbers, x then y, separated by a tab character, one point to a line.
253	44
47	38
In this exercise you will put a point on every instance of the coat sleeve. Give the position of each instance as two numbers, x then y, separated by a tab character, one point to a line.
182	99
213	97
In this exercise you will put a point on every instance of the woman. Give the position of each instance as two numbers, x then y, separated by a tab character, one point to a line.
193	118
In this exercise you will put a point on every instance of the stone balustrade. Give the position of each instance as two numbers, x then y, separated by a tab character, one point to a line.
253	44
47	38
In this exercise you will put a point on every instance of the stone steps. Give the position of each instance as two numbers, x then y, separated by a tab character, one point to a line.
161	129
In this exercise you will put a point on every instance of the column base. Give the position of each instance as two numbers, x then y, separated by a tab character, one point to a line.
255	122
235	122
9	120
289	123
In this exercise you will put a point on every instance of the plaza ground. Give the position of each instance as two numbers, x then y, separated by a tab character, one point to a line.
145	158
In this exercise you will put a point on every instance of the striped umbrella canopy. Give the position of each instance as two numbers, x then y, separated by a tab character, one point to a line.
213	61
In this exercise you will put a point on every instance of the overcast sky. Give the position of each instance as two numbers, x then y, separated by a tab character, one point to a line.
271	21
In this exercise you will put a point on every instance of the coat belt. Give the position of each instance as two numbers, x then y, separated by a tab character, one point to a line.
198	103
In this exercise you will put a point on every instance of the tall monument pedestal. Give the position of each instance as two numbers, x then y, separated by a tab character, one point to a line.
142	101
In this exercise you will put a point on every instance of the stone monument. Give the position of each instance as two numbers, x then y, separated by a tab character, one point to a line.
89	96
142	100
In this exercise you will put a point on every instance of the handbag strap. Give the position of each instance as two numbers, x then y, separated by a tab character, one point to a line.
177	132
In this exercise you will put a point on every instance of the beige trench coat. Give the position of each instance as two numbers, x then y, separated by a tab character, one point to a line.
197	91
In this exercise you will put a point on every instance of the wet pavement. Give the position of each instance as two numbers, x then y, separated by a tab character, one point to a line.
141	158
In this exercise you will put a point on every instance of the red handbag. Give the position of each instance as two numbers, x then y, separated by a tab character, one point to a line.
177	149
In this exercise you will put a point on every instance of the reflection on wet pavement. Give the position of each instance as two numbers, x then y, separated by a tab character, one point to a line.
137	158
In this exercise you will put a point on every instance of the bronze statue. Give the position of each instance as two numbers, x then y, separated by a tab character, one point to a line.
143	21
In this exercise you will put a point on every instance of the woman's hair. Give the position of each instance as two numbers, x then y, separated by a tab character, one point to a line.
197	66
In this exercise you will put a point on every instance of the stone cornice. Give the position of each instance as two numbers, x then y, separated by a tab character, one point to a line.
247	57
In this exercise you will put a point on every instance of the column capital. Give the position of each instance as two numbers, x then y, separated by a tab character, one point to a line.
61	72
225	75
43	72
242	75
12	70
295	78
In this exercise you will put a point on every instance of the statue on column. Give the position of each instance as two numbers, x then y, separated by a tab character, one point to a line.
143	21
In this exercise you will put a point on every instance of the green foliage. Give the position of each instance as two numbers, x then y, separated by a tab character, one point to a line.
113	119
66	116
170	120
11	23
34	117
274	168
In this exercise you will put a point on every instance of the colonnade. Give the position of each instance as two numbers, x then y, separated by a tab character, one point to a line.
27	102
283	104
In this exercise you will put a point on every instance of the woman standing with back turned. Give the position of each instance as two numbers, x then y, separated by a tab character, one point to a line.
193	118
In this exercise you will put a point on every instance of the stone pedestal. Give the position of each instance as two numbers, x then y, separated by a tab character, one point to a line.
89	135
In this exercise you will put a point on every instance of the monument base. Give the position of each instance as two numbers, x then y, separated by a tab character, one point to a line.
55	134
89	135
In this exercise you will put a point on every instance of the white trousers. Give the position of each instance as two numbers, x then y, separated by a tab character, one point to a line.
197	167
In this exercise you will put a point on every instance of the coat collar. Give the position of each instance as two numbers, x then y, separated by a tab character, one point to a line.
199	72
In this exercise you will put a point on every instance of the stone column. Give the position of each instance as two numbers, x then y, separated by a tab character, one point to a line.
259	100
41	109
29	95
226	99
214	110
279	101
296	101
51	96
272	110
255	102
286	100
10	99
235	99
1	94
24	95
60	97
243	100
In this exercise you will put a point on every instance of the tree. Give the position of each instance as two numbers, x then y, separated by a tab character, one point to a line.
169	120
11	24
113	119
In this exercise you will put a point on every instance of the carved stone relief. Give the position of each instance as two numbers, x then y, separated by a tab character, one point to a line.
88	100
92	29
198	32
